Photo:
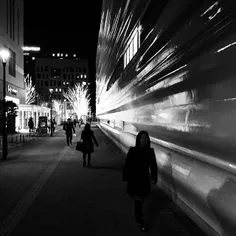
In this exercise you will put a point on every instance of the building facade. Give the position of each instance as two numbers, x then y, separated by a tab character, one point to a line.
59	72
12	38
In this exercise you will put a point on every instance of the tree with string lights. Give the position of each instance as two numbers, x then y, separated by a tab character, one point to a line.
31	94
58	107
79	99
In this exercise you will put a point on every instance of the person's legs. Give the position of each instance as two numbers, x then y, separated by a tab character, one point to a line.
89	159
138	210
71	138
84	158
67	139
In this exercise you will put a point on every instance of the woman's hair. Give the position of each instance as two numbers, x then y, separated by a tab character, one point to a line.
87	126
139	136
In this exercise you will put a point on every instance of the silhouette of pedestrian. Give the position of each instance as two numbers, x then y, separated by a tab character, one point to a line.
136	173
69	127
31	124
87	136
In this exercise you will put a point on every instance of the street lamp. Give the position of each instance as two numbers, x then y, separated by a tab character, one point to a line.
51	91
5	54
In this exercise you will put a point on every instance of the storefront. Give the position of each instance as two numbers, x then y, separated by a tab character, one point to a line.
16	95
27	111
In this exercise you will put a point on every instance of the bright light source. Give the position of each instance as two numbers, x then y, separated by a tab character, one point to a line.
74	55
33	58
58	54
26	48
56	89
5	54
85	76
50	90
53	54
84	83
62	55
66	55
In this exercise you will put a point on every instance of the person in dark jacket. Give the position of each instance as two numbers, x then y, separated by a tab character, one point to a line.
136	173
69	127
31	124
87	136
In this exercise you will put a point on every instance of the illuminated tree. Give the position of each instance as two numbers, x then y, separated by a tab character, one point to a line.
31	93
57	105
79	99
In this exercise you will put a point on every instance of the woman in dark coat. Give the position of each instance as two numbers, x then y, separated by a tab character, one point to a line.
87	136
136	173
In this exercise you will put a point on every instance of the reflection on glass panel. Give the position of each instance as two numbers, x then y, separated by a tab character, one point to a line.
131	49
135	43
125	60
127	55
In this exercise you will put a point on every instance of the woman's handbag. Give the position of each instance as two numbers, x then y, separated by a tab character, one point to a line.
79	146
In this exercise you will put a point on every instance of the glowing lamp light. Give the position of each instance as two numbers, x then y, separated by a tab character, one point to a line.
50	90
5	54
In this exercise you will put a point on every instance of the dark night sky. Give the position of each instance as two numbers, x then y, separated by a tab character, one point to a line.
63	26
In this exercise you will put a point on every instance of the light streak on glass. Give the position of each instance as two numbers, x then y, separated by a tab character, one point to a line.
227	46
210	8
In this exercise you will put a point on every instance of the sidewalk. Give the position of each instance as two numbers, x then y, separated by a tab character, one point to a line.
22	138
50	193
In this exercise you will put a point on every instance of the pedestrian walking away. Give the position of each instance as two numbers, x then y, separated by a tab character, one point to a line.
87	137
31	125
136	174
69	128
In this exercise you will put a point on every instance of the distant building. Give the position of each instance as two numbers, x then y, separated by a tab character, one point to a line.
11	37
60	72
30	53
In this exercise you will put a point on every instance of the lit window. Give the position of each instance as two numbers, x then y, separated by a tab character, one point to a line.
33	58
62	55
74	55
58	54
60	89
77	76
53	54
81	76
66	55
56	90
67	82
85	76
84	83
133	46
64	83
